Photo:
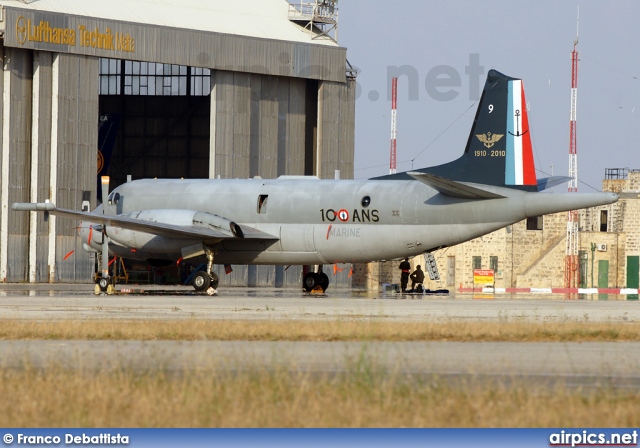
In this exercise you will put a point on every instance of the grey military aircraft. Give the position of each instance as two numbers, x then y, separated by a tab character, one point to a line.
307	221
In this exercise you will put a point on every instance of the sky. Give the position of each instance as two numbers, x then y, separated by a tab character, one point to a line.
528	40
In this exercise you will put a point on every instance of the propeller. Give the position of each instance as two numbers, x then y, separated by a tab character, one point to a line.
104	281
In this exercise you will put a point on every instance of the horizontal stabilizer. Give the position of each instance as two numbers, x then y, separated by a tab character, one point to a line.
452	188
549	182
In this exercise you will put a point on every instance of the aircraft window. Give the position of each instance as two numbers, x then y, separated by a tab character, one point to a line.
366	201
116	198
262	203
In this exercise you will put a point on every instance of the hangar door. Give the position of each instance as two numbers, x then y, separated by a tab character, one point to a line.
163	111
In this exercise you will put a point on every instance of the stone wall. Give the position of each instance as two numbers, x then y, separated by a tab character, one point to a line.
535	258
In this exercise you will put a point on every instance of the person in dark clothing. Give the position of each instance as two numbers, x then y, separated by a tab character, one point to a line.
405	267
417	278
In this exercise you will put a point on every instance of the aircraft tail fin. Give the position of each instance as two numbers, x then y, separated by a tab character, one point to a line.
498	150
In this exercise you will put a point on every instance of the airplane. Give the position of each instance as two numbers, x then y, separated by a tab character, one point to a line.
303	220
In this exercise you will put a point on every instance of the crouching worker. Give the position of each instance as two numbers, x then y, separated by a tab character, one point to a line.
417	278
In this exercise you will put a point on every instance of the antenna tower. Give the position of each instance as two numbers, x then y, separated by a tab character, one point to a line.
394	103
571	263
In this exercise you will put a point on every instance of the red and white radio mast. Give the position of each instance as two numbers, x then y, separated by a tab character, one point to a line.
394	102
571	263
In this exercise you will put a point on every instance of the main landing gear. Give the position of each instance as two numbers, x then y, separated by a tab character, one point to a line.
206	280
312	281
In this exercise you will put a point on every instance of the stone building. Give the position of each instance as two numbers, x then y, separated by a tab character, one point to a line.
531	253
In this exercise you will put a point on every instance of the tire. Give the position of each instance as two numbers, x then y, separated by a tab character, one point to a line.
214	281
104	284
324	281
310	281
201	281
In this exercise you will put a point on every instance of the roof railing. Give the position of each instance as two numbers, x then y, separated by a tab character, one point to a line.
319	17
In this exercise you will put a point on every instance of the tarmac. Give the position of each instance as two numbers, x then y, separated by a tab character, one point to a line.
612	364
44	301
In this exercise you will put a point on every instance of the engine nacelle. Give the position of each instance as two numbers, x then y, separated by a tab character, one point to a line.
216	222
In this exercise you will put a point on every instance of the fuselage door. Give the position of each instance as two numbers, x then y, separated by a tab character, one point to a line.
297	238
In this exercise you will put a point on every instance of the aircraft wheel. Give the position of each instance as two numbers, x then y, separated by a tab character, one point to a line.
201	281
324	281
214	280
104	284
310	281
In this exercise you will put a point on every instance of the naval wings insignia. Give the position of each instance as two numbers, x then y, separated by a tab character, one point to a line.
489	139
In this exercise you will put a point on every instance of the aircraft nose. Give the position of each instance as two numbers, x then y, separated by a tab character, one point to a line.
83	230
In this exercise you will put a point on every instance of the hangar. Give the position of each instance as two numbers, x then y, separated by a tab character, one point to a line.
201	89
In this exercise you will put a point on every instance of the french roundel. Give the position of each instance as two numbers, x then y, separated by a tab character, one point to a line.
343	215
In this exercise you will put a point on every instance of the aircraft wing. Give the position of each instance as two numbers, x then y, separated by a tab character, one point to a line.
453	188
152	227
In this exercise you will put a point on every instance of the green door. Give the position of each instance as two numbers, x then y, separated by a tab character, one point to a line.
603	277
603	273
633	271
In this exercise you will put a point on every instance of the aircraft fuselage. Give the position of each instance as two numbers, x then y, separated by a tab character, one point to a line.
316	221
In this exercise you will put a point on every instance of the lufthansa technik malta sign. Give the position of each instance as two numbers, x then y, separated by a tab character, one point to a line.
82	37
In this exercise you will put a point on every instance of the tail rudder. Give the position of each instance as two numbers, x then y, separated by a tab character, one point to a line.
519	165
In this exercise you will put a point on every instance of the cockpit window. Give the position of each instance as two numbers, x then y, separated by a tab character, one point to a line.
114	198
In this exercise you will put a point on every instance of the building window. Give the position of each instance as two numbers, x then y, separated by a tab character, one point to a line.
119	77
604	215
110	70
534	223
476	262
200	81
493	263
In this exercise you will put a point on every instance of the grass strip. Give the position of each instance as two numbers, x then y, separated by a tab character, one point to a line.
60	398
337	330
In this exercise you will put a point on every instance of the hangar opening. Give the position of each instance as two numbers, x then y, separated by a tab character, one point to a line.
160	115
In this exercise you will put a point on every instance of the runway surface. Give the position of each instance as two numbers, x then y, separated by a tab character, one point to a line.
157	302
610	363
